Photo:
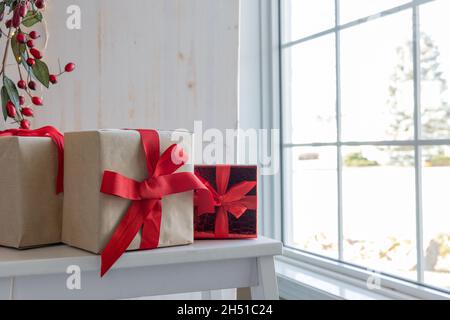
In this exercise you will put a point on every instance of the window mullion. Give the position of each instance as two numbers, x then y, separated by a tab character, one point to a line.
338	133
417	147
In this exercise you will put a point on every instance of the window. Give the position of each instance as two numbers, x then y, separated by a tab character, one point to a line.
366	134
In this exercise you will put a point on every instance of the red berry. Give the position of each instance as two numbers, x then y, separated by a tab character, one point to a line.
70	67
21	38
16	20
10	109
31	62
30	43
32	85
34	35
25	124
37	101
8	23
27	112
40	4
53	79
23	10
22	84
21	100
36	53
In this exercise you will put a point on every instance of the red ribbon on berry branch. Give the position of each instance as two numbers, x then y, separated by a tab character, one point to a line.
58	140
234	201
145	210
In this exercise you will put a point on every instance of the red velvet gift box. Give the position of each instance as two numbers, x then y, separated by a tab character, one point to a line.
234	213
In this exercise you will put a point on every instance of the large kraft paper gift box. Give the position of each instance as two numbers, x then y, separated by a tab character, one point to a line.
30	208
92	217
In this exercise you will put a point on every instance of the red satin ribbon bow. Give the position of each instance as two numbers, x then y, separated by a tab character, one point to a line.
146	209
233	201
56	137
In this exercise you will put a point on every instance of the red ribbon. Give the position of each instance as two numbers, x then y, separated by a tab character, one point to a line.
56	137
234	201
146	208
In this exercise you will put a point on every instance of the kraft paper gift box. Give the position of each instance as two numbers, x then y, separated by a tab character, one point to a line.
234	189
30	209
90	216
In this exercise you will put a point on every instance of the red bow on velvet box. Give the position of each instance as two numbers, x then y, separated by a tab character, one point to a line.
233	189
146	210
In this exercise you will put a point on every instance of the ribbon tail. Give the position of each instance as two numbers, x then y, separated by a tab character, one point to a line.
123	235
58	140
221	223
152	226
60	175
237	210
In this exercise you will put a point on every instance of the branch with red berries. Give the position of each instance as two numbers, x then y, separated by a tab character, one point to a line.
20	16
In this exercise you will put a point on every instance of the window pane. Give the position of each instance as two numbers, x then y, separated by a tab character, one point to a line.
305	17
310	91
379	209
377	83
436	215
313	182
435	64
355	9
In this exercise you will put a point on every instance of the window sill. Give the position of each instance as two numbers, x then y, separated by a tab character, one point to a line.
300	278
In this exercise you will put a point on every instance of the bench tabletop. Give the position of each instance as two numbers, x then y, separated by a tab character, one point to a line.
56	259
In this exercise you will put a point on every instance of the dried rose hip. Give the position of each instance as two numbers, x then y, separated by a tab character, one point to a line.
22	84
21	38
27	112
53	79
34	35
36	53
10	109
25	124
31	62
40	4
70	67
32	85
37	101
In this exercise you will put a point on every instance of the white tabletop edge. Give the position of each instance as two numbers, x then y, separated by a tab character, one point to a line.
56	259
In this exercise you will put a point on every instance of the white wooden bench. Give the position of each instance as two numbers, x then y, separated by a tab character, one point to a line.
205	266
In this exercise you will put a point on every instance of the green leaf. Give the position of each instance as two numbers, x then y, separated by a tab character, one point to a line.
2	7
13	94
5	99
24	56
41	72
32	18
18	49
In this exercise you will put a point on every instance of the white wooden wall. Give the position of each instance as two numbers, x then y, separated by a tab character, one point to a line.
144	64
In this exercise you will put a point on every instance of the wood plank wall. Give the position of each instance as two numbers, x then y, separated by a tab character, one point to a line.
143	64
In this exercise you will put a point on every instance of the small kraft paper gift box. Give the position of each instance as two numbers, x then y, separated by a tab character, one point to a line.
128	190
30	203
234	192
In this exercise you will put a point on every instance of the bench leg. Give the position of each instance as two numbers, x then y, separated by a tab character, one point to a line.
212	295
6	287
267	288
223	294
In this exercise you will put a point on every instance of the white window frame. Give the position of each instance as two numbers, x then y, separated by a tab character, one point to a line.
275	199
